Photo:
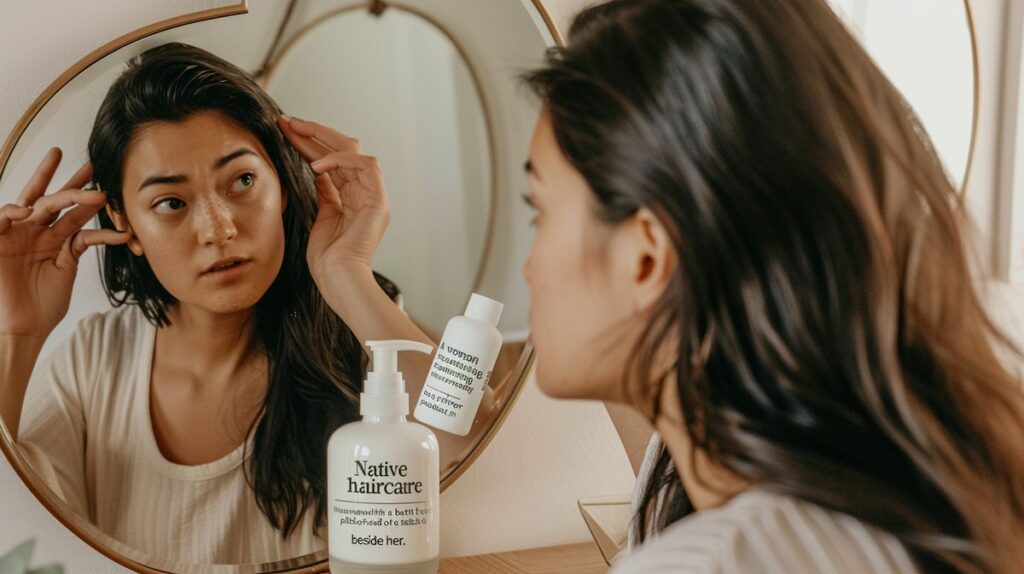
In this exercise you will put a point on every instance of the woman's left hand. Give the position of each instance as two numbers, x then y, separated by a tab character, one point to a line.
354	208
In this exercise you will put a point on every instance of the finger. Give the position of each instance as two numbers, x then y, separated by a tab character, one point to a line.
326	193
47	208
310	149
366	168
75	219
76	245
345	160
81	177
36	186
334	139
11	213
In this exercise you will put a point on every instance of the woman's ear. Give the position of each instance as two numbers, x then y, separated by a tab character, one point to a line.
653	259
121	223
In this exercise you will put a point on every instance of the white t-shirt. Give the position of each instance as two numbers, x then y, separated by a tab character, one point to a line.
86	429
761	532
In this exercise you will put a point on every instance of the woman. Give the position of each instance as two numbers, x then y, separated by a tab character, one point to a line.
744	232
243	294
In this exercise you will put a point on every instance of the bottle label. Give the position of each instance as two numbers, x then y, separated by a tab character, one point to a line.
455	375
381	512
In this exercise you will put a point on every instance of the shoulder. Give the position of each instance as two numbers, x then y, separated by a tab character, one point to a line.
98	338
80	368
109	327
758	531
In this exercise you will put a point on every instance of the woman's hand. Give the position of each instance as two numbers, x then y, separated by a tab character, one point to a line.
40	248
354	209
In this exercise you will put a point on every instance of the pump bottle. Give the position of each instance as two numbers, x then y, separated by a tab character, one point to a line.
383	479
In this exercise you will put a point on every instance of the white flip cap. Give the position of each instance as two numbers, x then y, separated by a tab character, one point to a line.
484	309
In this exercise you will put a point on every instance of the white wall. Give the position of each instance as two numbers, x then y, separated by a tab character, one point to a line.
522	490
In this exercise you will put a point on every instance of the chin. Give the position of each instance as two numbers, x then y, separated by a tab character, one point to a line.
232	302
556	385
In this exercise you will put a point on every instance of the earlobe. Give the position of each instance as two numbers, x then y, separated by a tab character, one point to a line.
121	224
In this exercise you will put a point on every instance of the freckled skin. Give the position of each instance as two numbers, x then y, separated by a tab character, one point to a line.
182	228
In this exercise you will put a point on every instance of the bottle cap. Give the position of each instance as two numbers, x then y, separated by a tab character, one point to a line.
384	390
484	309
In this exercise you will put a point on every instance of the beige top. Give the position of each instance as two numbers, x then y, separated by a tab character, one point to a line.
87	431
761	532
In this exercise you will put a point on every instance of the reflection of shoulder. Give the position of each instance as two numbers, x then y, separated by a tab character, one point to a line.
99	351
109	331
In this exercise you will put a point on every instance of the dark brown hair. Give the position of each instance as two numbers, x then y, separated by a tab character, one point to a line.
830	342
316	362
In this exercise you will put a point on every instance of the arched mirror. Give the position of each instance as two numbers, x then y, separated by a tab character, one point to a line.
430	88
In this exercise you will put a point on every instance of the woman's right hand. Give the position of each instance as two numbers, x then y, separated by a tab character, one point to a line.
40	248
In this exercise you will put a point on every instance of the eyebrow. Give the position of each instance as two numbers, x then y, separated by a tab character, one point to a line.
178	178
528	166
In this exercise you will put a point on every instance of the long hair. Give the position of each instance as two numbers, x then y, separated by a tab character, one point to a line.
830	342
316	363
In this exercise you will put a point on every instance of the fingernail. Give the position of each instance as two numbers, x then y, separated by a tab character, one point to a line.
286	117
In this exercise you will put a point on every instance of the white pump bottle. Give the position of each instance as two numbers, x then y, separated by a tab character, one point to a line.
383	479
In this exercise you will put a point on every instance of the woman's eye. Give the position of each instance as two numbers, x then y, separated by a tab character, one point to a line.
169	205
244	182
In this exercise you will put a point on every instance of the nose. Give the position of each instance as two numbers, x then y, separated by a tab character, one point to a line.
215	223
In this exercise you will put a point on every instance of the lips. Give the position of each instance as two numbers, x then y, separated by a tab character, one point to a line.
225	264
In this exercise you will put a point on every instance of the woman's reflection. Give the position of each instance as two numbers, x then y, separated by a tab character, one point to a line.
242	289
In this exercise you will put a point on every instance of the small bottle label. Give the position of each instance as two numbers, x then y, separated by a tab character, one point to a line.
456	375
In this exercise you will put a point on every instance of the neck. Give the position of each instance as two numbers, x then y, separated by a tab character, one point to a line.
213	342
384	419
708	485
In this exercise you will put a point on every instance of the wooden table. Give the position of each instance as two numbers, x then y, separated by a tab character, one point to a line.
583	558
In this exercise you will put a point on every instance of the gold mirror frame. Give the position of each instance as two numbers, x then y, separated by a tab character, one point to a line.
129	557
976	108
120	553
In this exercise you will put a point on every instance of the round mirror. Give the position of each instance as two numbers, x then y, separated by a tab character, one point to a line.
430	88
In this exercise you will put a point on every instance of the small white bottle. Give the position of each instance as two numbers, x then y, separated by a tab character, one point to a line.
462	367
383	479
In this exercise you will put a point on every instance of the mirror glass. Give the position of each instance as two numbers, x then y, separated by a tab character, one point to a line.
415	103
429	88
926	49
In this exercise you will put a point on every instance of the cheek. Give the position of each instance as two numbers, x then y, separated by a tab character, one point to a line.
269	231
582	322
566	313
168	253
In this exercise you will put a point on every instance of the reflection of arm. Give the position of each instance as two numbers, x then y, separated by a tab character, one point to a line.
372	315
361	303
17	358
52	429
